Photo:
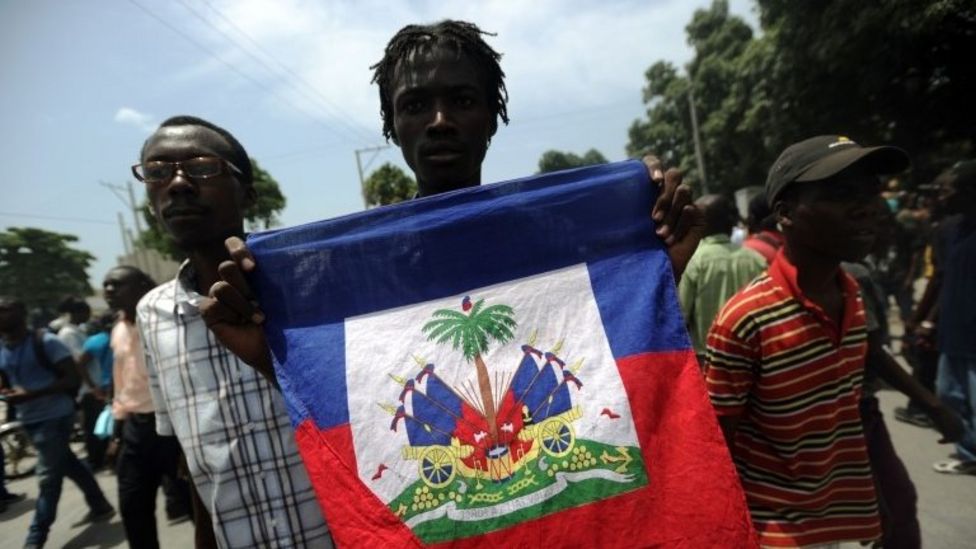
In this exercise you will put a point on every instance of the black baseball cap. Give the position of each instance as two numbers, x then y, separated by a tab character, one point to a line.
825	156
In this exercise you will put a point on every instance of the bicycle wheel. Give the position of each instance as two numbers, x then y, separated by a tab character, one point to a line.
20	457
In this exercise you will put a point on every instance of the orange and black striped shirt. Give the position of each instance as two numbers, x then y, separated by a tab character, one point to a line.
793	377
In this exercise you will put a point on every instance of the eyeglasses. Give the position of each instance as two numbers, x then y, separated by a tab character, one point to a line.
157	172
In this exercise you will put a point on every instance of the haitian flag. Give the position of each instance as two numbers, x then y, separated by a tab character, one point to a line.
500	366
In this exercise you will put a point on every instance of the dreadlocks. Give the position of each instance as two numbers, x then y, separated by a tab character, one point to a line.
463	38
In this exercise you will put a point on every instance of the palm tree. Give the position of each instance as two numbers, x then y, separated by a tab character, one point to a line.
470	332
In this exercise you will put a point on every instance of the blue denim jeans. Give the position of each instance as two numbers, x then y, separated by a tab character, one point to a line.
55	460
956	386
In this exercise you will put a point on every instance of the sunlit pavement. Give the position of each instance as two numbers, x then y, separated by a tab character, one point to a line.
15	521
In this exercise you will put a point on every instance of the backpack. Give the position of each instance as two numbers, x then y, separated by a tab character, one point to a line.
40	355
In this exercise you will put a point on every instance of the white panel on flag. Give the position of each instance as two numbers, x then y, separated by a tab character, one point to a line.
418	405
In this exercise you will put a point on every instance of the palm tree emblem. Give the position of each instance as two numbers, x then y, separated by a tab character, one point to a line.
470	331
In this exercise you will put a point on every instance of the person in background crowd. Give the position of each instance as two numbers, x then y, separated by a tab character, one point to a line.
901	264
145	458
716	271
786	354
956	381
764	238
72	330
897	499
41	373
95	370
919	345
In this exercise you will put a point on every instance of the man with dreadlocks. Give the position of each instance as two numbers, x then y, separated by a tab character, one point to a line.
442	93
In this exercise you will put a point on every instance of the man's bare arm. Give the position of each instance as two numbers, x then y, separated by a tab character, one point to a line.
67	380
946	422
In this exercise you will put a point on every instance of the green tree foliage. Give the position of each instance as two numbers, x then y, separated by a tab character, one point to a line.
41	267
388	185
893	72
470	332
899	71
718	78
154	238
554	161
263	214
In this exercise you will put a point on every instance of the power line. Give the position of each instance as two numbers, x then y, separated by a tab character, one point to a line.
57	218
328	103
230	66
350	126
333	108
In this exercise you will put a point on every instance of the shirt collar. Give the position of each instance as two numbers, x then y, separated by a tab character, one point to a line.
775	236
185	297
716	239
784	273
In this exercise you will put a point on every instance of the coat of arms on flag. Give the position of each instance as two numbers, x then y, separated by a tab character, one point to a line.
493	417
503	365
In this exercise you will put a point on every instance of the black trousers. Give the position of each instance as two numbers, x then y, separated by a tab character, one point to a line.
94	446
146	462
925	366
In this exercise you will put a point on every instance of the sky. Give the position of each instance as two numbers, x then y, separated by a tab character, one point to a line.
84	84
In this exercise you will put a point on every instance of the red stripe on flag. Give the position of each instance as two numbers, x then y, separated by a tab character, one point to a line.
693	498
356	517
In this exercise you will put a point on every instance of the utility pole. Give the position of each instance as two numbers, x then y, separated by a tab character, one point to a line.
136	214
126	245
694	132
359	166
127	196
129	199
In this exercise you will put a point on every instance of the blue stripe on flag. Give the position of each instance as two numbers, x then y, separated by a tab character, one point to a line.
310	278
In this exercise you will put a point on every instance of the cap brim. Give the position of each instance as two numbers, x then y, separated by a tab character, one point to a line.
882	160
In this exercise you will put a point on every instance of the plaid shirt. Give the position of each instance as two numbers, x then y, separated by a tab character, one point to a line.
232	424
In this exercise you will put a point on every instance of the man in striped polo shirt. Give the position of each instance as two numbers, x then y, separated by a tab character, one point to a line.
785	356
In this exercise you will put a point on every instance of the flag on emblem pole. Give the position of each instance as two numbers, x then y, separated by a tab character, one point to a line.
501	366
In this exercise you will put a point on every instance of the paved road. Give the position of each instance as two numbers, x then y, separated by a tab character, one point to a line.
15	521
947	504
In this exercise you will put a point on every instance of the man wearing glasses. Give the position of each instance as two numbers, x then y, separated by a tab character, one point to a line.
230	421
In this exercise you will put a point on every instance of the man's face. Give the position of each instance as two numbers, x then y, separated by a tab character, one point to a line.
442	119
122	289
13	316
196	213
955	198
837	219
80	315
